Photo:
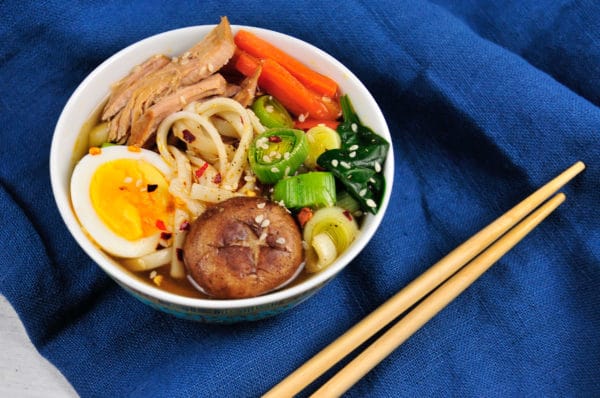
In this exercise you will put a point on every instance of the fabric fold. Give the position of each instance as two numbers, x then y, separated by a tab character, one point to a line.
485	103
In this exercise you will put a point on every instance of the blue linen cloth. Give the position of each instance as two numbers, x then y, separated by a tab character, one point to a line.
486	101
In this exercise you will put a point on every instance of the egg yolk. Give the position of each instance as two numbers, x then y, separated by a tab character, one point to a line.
131	197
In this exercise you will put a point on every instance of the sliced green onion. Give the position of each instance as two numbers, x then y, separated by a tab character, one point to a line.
338	226
277	153
320	139
107	144
347	201
314	189
98	134
325	251
271	113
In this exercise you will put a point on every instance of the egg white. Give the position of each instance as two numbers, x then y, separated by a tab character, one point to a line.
89	219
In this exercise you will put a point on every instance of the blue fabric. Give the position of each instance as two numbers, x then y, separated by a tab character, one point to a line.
486	100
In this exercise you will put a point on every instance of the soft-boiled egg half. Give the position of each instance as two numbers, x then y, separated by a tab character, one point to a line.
121	197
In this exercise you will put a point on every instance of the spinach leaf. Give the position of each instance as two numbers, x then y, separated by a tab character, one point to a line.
358	164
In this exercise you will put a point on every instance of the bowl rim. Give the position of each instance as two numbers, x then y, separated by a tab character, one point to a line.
118	272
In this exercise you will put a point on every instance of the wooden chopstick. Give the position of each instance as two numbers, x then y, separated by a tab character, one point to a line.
416	290
433	304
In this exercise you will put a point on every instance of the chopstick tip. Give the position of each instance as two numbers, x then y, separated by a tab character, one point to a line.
560	197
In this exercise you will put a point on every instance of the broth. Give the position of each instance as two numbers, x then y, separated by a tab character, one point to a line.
182	287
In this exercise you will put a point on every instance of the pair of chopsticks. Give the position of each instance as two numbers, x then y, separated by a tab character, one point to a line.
459	269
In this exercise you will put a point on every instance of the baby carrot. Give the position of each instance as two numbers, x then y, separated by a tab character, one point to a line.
260	48
281	84
287	89
245	63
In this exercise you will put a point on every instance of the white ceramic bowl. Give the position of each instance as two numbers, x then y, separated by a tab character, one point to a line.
95	88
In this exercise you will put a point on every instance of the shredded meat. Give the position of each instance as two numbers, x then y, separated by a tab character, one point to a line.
145	126
155	81
122	90
248	89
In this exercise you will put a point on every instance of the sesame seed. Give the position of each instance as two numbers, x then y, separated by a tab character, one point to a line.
354	127
259	219
249	178
127	180
353	147
263	236
302	117
335	162
267	159
363	192
352	154
345	165
265	223
269	108
371	203
211	68
280	240
286	155
261	205
274	170
377	167
153	274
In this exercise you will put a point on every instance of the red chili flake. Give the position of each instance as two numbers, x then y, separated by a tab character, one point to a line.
185	226
217	178
304	215
151	187
199	172
160	224
179	253
188	136
165	235
348	215
274	138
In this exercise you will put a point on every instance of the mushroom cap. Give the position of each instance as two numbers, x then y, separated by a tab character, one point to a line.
243	247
